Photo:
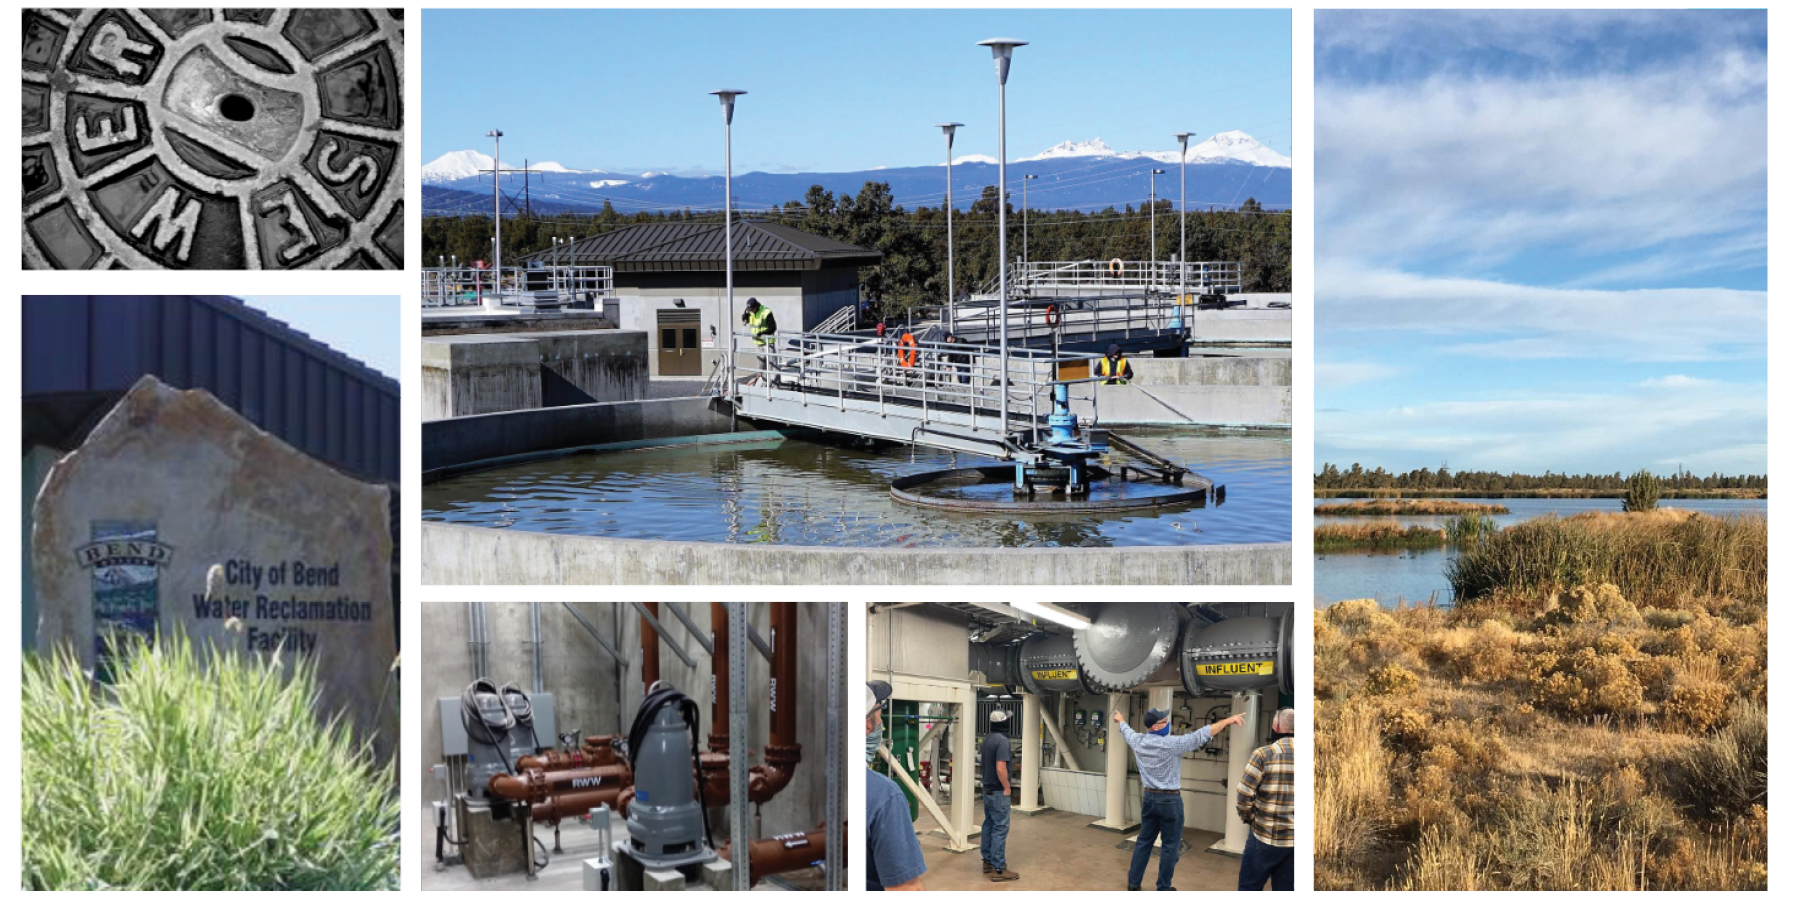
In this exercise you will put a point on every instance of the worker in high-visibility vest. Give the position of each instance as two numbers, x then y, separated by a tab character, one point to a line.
761	321
1113	367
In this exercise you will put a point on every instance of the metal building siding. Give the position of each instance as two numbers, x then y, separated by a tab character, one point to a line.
317	399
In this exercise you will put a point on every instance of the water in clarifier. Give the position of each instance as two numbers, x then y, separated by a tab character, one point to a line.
802	492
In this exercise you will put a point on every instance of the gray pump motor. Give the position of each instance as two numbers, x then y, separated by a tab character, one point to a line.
667	825
498	721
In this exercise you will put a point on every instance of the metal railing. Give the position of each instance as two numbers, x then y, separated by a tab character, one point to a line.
933	393
532	286
1076	319
839	322
1202	277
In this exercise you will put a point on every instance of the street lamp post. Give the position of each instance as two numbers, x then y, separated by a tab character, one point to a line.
728	103
1003	49
1027	190
1183	138
949	220
1154	268
496	134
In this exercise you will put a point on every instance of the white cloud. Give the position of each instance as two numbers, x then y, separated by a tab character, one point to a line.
1345	374
1498	319
1487	170
1720	426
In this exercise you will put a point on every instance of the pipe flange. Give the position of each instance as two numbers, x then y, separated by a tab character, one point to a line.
782	754
213	139
1128	642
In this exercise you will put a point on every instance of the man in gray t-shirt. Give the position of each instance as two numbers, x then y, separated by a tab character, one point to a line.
996	798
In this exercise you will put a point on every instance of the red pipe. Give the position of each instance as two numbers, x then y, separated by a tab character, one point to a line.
782	754
652	649
720	739
537	785
787	853
596	751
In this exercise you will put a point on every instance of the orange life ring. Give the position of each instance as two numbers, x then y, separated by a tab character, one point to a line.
909	350
1053	315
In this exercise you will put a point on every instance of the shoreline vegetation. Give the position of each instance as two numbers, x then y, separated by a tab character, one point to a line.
1590	714
1462	531
1531	494
1398	507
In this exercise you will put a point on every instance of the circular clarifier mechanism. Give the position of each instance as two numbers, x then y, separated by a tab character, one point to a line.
990	489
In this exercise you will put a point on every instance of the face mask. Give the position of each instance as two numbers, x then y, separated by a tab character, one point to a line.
1164	731
874	743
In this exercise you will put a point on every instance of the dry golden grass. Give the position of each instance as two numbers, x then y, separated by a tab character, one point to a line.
1561	738
1408	508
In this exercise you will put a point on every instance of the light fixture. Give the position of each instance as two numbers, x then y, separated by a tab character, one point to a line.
1052	612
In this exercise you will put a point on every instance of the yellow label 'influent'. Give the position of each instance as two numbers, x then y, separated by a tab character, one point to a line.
1266	667
1056	675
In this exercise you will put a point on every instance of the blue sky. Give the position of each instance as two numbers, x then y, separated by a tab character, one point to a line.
843	90
364	328
1542	240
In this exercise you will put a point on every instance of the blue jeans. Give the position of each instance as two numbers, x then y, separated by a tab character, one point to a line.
1262	863
995	822
1161	814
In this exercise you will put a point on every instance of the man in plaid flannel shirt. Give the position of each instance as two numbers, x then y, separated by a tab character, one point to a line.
1265	801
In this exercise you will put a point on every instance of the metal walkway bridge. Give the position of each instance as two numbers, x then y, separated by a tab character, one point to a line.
534	287
934	394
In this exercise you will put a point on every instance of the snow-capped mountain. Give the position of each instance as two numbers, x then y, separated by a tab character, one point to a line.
1227	145
460	164
1223	171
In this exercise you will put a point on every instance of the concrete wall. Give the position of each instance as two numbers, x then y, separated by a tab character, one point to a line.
460	554
471	439
576	670
471	374
1213	391
589	687
1253	324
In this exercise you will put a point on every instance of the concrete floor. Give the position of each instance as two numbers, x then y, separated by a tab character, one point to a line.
564	871
1057	851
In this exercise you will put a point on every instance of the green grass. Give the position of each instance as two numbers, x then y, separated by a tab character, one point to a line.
197	770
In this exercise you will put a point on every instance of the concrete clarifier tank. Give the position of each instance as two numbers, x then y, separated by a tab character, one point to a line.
1131	644
1241	654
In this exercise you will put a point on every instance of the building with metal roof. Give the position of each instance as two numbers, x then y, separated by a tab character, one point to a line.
670	282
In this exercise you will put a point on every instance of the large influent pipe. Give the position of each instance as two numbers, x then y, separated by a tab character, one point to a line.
786	853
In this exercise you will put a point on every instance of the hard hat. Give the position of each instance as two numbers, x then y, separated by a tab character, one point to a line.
999	715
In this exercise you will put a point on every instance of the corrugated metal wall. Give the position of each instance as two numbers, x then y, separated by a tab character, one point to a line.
319	400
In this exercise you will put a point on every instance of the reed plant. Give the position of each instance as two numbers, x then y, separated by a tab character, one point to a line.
1399	507
198	769
1661	558
1375	536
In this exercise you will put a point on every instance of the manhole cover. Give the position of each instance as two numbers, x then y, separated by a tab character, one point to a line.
213	139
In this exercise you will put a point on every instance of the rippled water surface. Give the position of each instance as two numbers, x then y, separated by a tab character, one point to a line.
801	492
1418	575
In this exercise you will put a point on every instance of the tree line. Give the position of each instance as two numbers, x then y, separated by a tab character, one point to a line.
1333	480
912	242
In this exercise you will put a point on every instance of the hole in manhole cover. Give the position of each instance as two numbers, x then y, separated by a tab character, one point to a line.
236	107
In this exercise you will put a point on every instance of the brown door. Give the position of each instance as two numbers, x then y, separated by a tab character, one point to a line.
678	342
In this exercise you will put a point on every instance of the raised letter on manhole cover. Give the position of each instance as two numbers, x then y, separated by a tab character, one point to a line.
213	139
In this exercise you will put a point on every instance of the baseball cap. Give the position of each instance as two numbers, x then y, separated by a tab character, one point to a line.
1153	716
999	715
876	694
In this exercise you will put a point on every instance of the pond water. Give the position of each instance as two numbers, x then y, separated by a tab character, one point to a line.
1418	575
803	492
